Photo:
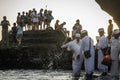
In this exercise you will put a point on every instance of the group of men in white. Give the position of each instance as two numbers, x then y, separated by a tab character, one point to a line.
83	50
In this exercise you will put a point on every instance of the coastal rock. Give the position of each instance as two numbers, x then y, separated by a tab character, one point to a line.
112	8
39	50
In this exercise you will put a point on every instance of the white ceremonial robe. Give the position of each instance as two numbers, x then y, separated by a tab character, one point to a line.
115	53
89	63
103	42
75	47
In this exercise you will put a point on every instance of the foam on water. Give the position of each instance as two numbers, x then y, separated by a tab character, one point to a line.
42	75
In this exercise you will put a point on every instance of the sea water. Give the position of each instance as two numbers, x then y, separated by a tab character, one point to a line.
43	75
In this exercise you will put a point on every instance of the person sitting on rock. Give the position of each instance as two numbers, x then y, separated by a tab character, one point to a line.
5	23
61	27
78	26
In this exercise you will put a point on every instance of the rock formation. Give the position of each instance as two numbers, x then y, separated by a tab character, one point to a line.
39	50
112	8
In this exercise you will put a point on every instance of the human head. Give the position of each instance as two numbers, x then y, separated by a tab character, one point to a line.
18	13
34	9
110	21
84	33
101	31
23	13
4	17
41	10
77	36
45	11
57	21
77	21
64	23
14	24
116	33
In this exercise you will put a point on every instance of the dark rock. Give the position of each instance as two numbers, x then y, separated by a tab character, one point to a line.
39	50
112	8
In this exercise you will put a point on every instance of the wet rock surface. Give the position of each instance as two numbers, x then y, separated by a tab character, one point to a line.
39	50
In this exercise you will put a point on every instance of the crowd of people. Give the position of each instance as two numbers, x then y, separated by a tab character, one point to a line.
34	20
83	50
31	20
81	44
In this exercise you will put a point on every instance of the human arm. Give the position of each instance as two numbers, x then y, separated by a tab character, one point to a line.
64	45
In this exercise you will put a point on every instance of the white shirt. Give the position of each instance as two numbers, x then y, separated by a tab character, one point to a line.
115	49
85	44
103	42
20	30
73	46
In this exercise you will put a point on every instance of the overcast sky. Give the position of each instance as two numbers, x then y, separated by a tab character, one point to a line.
88	11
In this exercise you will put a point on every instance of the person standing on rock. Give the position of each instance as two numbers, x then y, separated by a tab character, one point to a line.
102	49
14	32
110	29
77	56
56	24
78	26
5	23
115	53
88	50
20	32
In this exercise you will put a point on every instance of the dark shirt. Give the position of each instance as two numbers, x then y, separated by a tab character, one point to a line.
14	29
5	24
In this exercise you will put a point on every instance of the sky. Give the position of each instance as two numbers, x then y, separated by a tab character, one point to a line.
88	11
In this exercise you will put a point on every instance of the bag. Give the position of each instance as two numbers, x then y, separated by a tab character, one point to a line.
87	54
107	60
104	50
78	57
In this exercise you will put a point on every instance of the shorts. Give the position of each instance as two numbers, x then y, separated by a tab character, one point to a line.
19	35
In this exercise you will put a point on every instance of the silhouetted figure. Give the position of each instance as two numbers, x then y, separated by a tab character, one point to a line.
45	19
56	24
60	27
20	32
50	18
110	29
35	21
41	18
78	26
18	18
14	32
26	21
23	19
74	31
29	26
5	23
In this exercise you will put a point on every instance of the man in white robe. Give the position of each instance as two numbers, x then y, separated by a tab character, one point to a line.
115	53
77	56
87	44
102	48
